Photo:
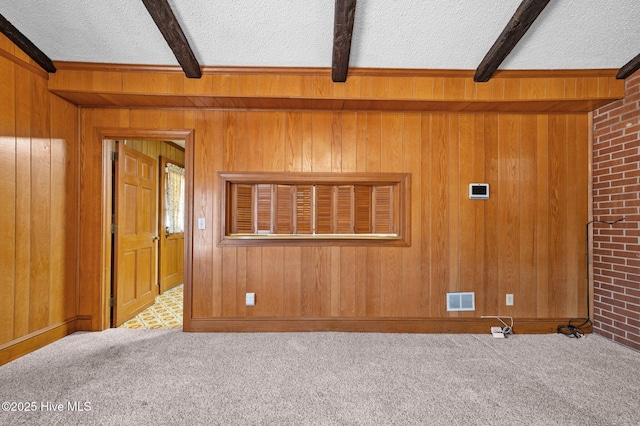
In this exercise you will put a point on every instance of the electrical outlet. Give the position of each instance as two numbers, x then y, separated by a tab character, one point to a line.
509	300
250	299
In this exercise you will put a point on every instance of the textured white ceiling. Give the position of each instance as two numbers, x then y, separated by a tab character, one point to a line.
425	34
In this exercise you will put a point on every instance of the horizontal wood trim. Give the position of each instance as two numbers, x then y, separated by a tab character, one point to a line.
322	71
313	178
26	65
390	325
33	341
365	90
114	100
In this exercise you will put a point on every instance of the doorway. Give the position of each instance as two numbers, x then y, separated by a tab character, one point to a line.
138	260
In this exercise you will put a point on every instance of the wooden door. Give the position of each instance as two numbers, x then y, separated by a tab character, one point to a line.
135	250
171	251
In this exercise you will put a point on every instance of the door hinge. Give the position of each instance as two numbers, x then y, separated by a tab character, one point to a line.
112	301
114	156
114	228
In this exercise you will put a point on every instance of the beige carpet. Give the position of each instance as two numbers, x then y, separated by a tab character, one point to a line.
166	312
167	377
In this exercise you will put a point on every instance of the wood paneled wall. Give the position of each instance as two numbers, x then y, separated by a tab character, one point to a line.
38	208
528	239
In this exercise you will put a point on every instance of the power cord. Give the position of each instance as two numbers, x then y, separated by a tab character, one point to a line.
571	329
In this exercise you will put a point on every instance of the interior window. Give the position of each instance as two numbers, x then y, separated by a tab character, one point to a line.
314	207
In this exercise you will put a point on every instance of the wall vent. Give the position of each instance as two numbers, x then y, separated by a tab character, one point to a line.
461	301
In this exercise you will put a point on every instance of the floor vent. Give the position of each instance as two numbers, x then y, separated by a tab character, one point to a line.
461	301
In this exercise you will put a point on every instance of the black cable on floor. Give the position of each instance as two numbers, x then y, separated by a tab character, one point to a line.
573	330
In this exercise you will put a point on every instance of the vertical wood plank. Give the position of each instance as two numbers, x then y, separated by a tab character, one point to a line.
229	281
525	298
425	215
557	216
307	282
321	293
467	208
508	218
491	251
453	190
274	141
439	213
39	302
254	279
241	283
578	222
271	295
293	142
542	215
215	137
347	282
322	137
307	142
202	288
411	256
479	258
23	204
8	189
335	255
292	298
573	219
423	87
63	211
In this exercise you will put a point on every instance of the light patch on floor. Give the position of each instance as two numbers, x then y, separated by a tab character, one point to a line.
166	312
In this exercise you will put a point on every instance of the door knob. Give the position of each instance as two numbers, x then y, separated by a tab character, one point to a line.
156	238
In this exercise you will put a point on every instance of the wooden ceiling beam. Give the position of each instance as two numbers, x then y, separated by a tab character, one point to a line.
525	15
345	11
629	68
170	28
26	45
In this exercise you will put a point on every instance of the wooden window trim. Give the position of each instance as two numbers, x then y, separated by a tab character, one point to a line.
401	181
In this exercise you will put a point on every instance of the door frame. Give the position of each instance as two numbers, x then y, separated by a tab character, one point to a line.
106	136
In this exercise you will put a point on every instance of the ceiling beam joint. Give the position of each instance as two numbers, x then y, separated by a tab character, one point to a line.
522	19
629	68
170	28
26	45
345	11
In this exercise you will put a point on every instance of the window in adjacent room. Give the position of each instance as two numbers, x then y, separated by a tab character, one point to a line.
174	196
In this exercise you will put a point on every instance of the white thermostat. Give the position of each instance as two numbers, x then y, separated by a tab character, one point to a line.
478	191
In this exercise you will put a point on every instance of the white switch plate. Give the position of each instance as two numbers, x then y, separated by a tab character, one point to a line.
250	299
509	300
201	223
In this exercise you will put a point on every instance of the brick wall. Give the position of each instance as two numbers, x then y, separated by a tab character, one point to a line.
616	194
